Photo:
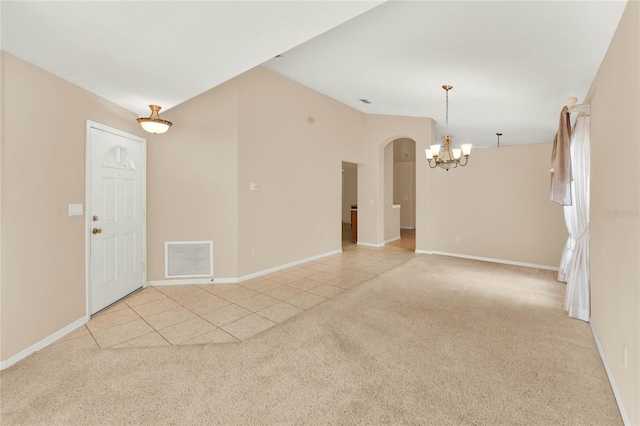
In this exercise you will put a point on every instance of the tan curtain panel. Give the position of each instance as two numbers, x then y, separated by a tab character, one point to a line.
561	162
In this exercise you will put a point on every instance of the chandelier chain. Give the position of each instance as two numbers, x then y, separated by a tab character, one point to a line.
447	109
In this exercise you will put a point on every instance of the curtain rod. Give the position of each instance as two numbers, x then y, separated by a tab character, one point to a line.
573	106
586	108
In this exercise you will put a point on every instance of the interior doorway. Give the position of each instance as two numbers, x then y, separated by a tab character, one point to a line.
349	221
400	193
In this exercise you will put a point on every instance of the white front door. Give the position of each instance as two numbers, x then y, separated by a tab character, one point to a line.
116	215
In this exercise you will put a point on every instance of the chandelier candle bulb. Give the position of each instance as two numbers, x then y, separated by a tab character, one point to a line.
435	150
466	149
456	153
428	154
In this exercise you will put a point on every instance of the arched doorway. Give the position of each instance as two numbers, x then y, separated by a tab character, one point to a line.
400	193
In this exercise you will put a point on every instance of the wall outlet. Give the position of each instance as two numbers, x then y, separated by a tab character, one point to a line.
254	186
254	252
457	238
624	354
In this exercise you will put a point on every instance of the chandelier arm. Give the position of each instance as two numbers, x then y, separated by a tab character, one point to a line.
434	165
466	160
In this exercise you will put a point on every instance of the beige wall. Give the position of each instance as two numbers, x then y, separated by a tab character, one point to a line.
615	185
499	207
43	171
404	180
192	184
2	132
296	214
404	192
404	150
390	231
349	192
392	225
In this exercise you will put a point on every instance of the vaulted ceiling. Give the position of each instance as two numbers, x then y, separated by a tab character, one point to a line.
164	52
512	63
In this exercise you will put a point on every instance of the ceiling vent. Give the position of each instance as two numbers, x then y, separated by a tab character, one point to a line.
364	101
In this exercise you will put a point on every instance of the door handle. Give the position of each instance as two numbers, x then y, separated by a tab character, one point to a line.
96	231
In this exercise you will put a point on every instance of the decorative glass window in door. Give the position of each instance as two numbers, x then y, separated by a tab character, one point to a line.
119	158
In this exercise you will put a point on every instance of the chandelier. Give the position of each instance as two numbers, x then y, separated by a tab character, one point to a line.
153	123
449	158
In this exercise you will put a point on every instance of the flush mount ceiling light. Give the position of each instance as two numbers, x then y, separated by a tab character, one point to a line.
153	123
449	158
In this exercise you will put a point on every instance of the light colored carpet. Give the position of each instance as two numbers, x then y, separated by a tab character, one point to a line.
435	340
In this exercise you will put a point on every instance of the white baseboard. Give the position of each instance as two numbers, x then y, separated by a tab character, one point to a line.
244	277
43	343
407	227
422	251
187	281
503	261
360	243
287	265
616	392
390	240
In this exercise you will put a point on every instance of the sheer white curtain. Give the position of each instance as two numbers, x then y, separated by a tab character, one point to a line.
571	220
574	266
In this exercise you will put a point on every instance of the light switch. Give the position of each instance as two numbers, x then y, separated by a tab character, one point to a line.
254	186
75	210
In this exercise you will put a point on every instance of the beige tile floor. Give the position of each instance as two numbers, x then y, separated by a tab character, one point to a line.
222	313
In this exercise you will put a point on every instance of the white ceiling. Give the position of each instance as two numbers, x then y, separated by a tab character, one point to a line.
136	53
512	63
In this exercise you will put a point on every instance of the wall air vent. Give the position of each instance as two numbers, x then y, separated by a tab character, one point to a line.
364	101
188	259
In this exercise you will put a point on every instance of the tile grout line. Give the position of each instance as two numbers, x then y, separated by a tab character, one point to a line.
147	322
200	316
180	322
139	317
93	337
173	300
108	328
